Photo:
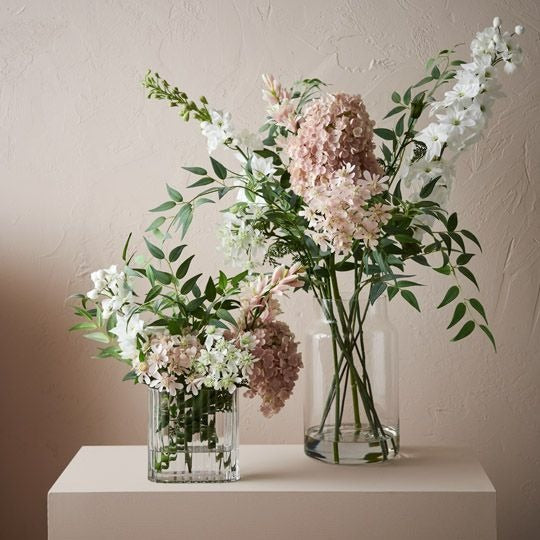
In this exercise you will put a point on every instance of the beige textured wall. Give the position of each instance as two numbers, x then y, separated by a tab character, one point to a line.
83	155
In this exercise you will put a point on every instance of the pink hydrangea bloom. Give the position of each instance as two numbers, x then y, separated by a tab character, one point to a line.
333	167
274	375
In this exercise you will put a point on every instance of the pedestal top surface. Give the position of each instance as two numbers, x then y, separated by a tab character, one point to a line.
284	468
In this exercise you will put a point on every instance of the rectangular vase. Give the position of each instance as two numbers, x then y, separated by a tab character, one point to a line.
193	438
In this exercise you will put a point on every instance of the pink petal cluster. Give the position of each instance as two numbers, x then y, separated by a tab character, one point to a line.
257	301
333	167
281	107
338	211
273	377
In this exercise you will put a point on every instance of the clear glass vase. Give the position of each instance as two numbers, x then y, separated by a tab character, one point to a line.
351	410
193	438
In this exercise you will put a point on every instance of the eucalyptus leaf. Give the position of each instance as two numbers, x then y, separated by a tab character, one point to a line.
174	194
459	312
488	333
167	205
184	267
156	224
219	169
97	336
196	170
468	274
189	284
466	330
154	250
410	298
477	305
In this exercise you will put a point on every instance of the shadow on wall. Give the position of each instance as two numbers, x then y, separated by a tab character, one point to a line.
48	413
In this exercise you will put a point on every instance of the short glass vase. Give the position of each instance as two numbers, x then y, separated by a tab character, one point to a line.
193	438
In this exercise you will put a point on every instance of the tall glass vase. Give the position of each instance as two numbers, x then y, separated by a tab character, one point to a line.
193	438
351	412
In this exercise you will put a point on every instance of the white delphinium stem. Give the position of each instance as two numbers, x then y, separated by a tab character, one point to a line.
462	113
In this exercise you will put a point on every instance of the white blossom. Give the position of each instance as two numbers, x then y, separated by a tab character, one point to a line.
115	289
218	130
433	136
126	330
262	167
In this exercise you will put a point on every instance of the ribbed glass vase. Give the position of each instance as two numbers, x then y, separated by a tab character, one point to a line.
193	438
351	412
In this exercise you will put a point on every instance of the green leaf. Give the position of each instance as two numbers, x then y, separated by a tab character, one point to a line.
451	294
466	329
376	290
410	298
109	352
399	126
386	134
196	170
225	315
222	280
435	72
445	269
428	188
189	284
202	182
396	97
83	326
176	252
97	336
185	217
154	250
184	267
407	96
458	240
488	333
152	293
130	376
471	237
468	274
404	283
464	258
156	224
210	290
459	312
387	153
195	304
201	201
167	205
175	195
219	169
126	245
150	274
392	291
395	110
163	277
425	80
476	304
452	222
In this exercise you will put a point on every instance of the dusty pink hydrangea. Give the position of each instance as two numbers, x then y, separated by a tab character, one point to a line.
275	373
333	167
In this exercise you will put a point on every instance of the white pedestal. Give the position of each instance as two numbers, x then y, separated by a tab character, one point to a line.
428	493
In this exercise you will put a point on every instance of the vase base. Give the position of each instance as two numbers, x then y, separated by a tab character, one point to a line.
354	447
200	466
199	477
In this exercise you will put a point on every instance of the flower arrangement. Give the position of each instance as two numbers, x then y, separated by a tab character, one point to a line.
186	344
320	193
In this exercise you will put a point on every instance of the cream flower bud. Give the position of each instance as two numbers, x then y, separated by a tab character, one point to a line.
496	22
519	29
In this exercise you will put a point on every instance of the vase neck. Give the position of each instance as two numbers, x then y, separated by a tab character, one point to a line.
331	308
